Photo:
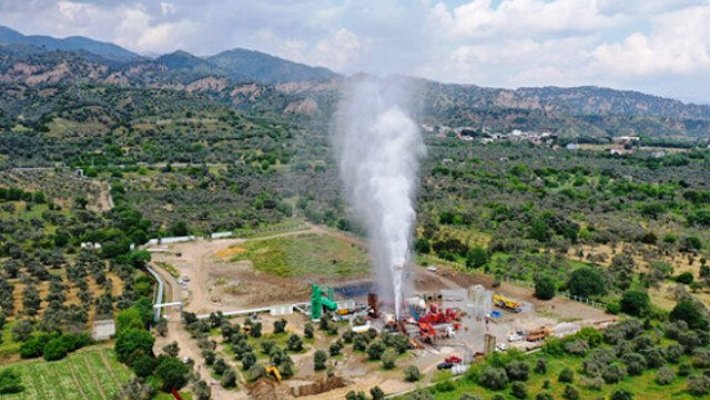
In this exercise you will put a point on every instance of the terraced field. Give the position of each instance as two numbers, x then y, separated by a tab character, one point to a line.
85	375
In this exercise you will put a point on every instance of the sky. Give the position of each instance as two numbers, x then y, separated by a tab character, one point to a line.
660	47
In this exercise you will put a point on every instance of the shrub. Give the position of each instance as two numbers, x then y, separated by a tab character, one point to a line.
690	312
493	378
377	393
10	382
319	360
577	347
412	374
280	326
518	390
144	366
635	363
33	347
544	396
665	375
621	394
566	376
541	366
701	358
351	395
685	278
172	372
699	385
55	349
517	371
375	350
613	373
673	352
586	282
308	331
684	370
635	302
294	344
545	288
476	257
229	379
613	308
570	393
335	348
389	359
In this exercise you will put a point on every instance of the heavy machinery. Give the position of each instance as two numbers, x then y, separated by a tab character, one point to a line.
427	332
505	303
273	371
537	334
321	300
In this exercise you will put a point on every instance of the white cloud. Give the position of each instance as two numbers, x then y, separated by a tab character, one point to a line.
679	43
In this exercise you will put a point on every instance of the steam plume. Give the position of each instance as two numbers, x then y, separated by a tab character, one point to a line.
379	147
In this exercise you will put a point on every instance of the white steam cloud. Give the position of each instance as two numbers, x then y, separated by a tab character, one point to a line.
379	147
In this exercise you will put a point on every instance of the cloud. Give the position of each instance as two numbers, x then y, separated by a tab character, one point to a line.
679	43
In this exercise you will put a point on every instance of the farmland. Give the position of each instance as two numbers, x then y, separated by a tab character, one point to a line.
85	375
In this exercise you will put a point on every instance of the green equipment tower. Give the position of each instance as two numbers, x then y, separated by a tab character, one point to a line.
320	300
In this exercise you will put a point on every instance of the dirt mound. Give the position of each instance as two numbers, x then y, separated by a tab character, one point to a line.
320	385
268	389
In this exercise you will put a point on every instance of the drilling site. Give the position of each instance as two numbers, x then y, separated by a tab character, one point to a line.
449	320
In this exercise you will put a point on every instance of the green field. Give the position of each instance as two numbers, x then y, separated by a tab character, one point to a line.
305	255
86	375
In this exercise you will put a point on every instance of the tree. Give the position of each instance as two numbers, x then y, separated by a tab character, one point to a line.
541	366
635	302
280	326
665	375
319	360
172	349
517	371
476	257
10	382
255	330
566	376
518	390
493	378
335	348
55	349
144	365
690	312
545	288
375	350
570	393
219	366
699	385
351	395
621	394
133	342
308	330
377	393
412	374
586	282
172	372
202	390
389	358
229	379
294	344
248	360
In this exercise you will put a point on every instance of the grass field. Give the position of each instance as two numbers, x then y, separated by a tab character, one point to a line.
305	255
643	386
93	374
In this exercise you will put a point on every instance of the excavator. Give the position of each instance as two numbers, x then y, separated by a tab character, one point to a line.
505	303
273	371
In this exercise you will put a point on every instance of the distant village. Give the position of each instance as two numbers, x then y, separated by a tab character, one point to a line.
619	145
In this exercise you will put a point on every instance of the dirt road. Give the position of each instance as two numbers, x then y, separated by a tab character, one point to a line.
188	346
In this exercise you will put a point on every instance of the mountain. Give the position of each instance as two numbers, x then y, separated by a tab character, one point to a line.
250	65
261	84
108	51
